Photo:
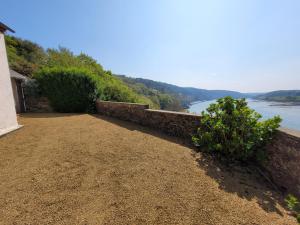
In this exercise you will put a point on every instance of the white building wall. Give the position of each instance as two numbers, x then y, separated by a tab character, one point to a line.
15	94
8	117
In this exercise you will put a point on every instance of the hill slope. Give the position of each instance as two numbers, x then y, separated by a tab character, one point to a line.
185	95
281	96
27	58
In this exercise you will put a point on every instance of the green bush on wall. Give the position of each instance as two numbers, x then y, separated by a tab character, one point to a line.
233	130
293	204
69	89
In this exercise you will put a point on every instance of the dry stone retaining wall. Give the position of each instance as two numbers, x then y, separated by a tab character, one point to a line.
173	123
38	104
284	162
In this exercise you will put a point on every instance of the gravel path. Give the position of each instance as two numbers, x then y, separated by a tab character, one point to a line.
84	169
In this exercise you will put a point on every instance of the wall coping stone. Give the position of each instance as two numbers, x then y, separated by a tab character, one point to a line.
289	131
125	103
173	112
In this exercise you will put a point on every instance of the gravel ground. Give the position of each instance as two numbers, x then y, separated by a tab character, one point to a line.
84	169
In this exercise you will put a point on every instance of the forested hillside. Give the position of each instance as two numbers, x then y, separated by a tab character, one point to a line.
184	95
281	96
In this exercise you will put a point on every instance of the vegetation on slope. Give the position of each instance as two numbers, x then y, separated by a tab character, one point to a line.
28	58
24	56
165	100
281	96
179	96
293	204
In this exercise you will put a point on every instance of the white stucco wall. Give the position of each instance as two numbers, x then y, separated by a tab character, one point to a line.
8	118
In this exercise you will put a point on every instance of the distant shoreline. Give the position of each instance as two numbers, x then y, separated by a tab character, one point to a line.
286	104
279	103
273	102
196	102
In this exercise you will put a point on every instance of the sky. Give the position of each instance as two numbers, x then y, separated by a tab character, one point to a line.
242	45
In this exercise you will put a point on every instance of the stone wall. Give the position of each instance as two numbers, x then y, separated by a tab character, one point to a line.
284	161
172	123
37	104
122	110
284	152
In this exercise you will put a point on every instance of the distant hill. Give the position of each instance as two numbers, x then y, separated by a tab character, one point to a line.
281	96
185	95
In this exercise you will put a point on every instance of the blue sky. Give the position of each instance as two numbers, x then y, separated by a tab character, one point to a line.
243	45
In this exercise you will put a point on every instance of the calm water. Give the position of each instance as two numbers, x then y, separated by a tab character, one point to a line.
290	114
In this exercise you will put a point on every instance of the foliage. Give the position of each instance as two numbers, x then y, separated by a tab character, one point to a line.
63	57
294	205
162	99
69	89
28	58
174	97
111	89
230	128
24	56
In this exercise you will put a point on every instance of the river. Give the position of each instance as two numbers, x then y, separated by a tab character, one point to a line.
290	114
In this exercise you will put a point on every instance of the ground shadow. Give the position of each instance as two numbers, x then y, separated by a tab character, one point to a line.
133	126
47	115
247	182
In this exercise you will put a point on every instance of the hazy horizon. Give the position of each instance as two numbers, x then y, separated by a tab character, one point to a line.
246	46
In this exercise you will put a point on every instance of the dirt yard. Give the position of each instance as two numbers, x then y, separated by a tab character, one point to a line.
83	169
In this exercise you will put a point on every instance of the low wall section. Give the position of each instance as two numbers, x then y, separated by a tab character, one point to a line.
38	104
284	152
173	123
284	161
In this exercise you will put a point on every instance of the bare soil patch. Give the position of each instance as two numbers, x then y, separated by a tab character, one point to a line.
84	169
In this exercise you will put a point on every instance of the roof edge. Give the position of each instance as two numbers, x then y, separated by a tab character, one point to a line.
4	28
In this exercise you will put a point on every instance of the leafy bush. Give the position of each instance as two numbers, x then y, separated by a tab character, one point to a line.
69	90
294	205
24	56
112	91
230	128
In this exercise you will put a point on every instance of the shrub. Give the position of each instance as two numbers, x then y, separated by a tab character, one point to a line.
294	205
114	92
69	89
231	129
